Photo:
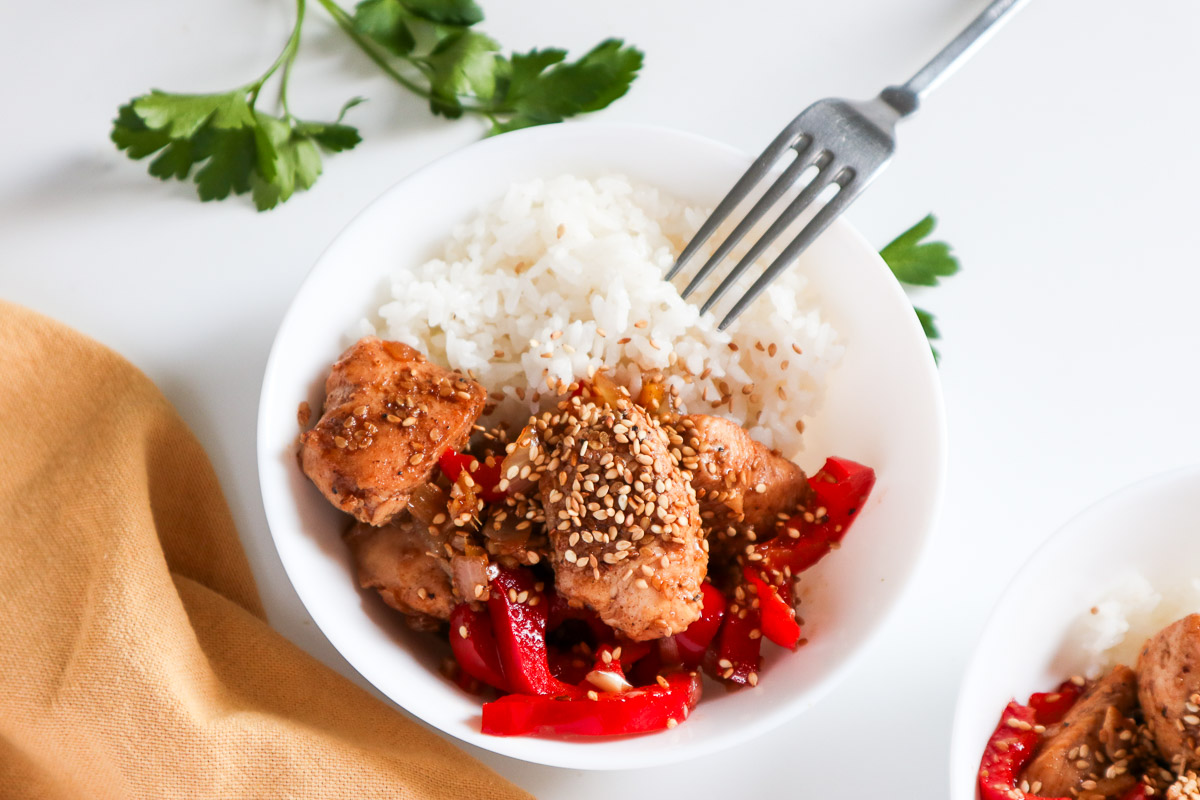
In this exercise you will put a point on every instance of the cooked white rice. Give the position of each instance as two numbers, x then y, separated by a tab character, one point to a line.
562	277
1127	615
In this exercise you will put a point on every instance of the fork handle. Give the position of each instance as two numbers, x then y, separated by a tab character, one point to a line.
906	98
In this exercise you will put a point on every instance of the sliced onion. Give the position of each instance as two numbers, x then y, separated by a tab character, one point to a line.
523	454
505	535
606	389
427	501
655	398
467	572
668	651
465	497
607	681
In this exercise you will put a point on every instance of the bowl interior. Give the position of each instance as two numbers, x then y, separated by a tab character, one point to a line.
848	594
1149	528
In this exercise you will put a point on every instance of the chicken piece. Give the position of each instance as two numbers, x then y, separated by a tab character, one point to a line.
740	484
623	520
1088	753
1169	690
398	561
389	415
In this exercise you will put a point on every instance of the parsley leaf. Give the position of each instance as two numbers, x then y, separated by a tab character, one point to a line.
539	87
464	13
232	148
917	263
463	63
387	22
920	263
431	48
227	145
931	332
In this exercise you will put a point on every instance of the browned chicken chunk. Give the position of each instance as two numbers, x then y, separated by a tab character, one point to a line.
623	520
1169	690
399	562
739	483
1089	753
389	415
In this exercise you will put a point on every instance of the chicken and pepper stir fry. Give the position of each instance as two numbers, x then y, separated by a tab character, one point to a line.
600	530
1130	735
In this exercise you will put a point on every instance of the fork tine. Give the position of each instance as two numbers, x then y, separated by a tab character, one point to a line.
797	207
777	190
761	166
850	189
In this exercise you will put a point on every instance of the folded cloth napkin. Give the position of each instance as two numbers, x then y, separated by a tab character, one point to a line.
135	660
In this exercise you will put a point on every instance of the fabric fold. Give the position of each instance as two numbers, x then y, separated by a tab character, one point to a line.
135	660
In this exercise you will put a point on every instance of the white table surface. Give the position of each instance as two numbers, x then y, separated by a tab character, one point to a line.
1061	162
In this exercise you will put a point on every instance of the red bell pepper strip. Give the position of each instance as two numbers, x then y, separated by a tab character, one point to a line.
1136	792
468	683
518	613
1050	707
559	611
602	714
694	641
487	477
736	654
474	646
1008	750
613	665
778	617
632	652
839	491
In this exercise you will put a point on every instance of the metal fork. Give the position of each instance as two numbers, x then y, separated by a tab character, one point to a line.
848	143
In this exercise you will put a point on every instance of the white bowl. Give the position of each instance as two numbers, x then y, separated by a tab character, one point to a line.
1149	528
883	408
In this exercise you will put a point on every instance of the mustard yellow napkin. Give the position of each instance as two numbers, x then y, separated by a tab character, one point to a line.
135	661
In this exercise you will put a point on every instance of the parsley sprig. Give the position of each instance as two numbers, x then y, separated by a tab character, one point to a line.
227	145
920	263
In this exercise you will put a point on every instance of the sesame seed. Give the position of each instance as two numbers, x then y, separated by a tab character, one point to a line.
462	631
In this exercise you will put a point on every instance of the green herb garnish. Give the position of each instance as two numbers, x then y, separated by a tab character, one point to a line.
920	263
227	145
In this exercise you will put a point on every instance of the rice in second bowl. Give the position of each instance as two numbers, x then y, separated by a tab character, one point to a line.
562	277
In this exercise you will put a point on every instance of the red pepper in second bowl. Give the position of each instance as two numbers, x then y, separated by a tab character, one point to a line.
1050	707
1007	752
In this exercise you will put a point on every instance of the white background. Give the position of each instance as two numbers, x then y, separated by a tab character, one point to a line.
1061	163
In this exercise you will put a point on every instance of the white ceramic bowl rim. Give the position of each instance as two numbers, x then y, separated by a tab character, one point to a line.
918	499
